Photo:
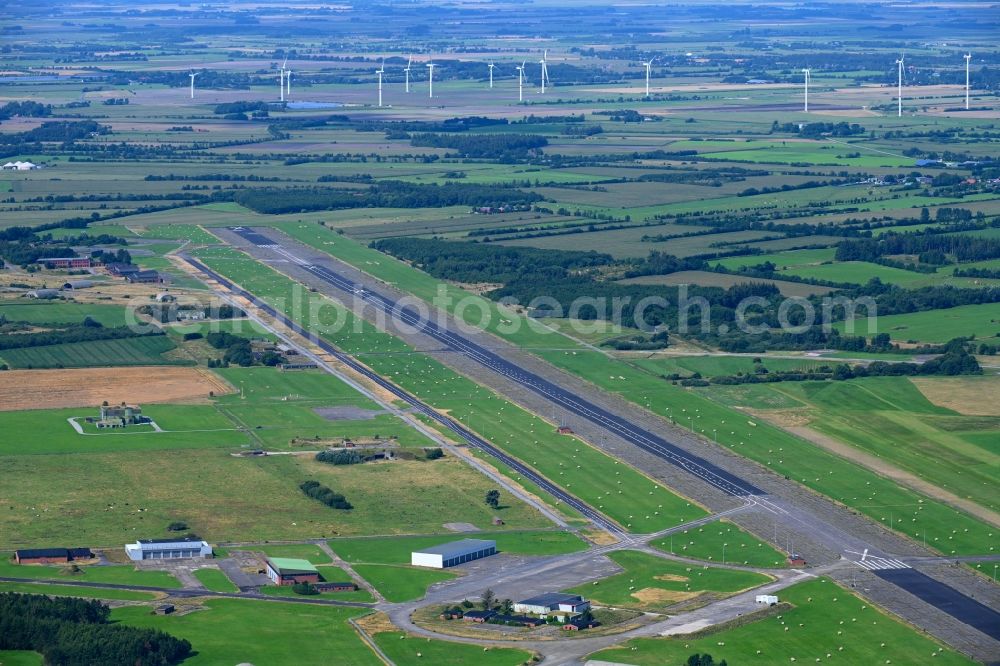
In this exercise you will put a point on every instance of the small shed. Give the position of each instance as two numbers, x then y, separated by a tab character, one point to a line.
796	560
767	599
165	609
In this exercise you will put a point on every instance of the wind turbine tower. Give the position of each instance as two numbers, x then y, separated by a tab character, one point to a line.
380	71
491	75
430	79
968	57
545	69
807	73
281	79
648	65
194	74
899	102
288	84
406	69
520	82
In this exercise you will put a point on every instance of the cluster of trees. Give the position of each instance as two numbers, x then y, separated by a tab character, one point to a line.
698	659
384	194
987	273
85	331
25	110
28	251
661	263
474	262
228	108
343	457
62	131
78	632
326	495
493	498
238	350
505	148
816	130
963	248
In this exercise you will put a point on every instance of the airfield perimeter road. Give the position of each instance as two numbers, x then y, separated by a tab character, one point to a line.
820	529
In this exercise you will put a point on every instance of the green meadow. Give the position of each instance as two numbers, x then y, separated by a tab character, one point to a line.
823	621
722	541
934	326
406	650
649	583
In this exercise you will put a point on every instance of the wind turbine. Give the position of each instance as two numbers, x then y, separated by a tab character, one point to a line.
288	84
430	79
545	70
491	74
380	71
968	57
648	65
807	72
406	69
281	79
194	74
520	82
899	103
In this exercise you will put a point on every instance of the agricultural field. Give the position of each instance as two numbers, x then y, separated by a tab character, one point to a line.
636	153
148	350
817	619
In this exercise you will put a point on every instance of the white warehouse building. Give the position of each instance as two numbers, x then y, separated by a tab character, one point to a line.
167	549
455	552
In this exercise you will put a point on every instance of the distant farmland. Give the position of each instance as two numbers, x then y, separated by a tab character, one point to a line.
127	351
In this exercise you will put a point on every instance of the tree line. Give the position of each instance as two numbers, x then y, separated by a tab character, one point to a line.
328	496
78	632
384	194
503	148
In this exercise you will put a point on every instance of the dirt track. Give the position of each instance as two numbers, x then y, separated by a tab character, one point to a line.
88	387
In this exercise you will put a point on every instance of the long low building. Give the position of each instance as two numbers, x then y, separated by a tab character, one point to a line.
167	549
51	555
455	552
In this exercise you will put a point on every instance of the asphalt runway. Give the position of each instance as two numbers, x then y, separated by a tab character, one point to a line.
706	471
458	429
939	595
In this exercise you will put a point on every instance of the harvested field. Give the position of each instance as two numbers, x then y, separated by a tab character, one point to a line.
87	387
656	596
972	396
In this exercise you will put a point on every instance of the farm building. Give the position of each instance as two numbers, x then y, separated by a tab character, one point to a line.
167	549
119	416
65	262
43	293
522	620
289	571
450	554
547	603
51	555
579	623
144	277
78	284
326	586
767	599
478	616
121	270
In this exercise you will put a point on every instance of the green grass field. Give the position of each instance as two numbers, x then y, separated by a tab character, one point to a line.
982	321
650	583
301	551
62	313
826	622
96	353
406	650
20	658
233	631
117	574
52	589
215	580
398	584
722	541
